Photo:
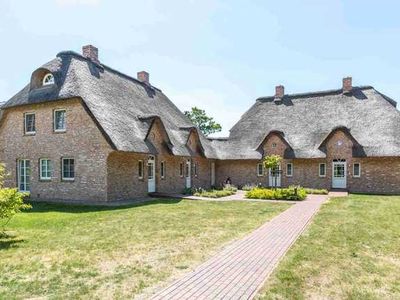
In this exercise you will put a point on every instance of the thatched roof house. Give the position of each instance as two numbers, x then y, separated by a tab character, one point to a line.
119	137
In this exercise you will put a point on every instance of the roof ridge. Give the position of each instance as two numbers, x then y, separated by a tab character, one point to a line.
80	56
317	93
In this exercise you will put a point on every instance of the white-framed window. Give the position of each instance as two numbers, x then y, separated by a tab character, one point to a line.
46	169
162	169
260	169
59	120
322	170
181	168
24	175
195	169
29	123
289	169
140	169
68	169
48	79
356	170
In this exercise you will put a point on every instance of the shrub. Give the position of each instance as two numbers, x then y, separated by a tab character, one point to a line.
248	187
11	203
290	193
317	191
214	193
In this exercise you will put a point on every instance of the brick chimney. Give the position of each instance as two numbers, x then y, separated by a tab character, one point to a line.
144	77
91	52
279	92
347	85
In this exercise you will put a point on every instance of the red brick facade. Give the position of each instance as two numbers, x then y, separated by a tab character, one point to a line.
103	174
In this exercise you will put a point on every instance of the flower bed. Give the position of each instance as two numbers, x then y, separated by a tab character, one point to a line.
291	193
228	190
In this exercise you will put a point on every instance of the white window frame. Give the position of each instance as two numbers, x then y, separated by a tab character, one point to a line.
25	166
46	77
162	169
291	170
359	170
319	170
25	124
48	170
62	169
140	169
195	169
258	170
54	120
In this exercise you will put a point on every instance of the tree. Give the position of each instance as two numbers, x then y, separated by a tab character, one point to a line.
272	162
11	202
206	124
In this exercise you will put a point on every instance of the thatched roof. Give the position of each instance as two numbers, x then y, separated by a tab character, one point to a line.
306	120
121	105
124	108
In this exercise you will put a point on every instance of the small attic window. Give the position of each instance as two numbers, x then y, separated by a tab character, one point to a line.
48	79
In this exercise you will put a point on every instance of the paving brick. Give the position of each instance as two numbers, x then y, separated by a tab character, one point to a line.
238	271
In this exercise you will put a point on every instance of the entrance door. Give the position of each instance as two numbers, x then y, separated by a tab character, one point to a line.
277	177
151	178
212	174
24	175
339	175
188	175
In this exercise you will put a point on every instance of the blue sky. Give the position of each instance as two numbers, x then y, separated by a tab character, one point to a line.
217	55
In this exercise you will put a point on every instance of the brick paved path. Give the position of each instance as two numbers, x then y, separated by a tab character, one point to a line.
239	271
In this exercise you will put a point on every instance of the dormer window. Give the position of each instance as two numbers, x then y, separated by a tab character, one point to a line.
48	79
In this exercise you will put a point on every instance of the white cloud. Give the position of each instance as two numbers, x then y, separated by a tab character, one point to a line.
77	2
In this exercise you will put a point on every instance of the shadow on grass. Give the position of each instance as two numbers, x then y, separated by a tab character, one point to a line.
38	207
9	241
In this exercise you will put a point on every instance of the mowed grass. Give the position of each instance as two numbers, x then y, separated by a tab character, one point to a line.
351	251
75	252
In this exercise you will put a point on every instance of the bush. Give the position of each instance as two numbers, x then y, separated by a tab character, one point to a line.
291	193
248	187
11	203
317	191
214	193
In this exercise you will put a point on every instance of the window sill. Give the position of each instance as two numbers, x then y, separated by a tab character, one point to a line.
67	180
59	131
29	133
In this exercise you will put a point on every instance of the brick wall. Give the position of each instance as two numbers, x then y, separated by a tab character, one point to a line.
81	141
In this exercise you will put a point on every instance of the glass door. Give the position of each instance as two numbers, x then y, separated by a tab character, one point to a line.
24	175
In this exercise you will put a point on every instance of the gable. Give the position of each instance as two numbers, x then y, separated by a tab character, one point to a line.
194	144
158	137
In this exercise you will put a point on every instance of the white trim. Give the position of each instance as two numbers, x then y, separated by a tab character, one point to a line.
140	174
47	166
319	170
25	125
291	170
49	77
25	168
258	170
359	170
65	120
62	169
339	182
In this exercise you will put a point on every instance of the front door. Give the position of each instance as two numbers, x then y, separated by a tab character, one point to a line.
188	175
275	177
24	175
151	178
339	175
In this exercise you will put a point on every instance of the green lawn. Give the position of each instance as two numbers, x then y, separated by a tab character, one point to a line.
70	252
351	251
